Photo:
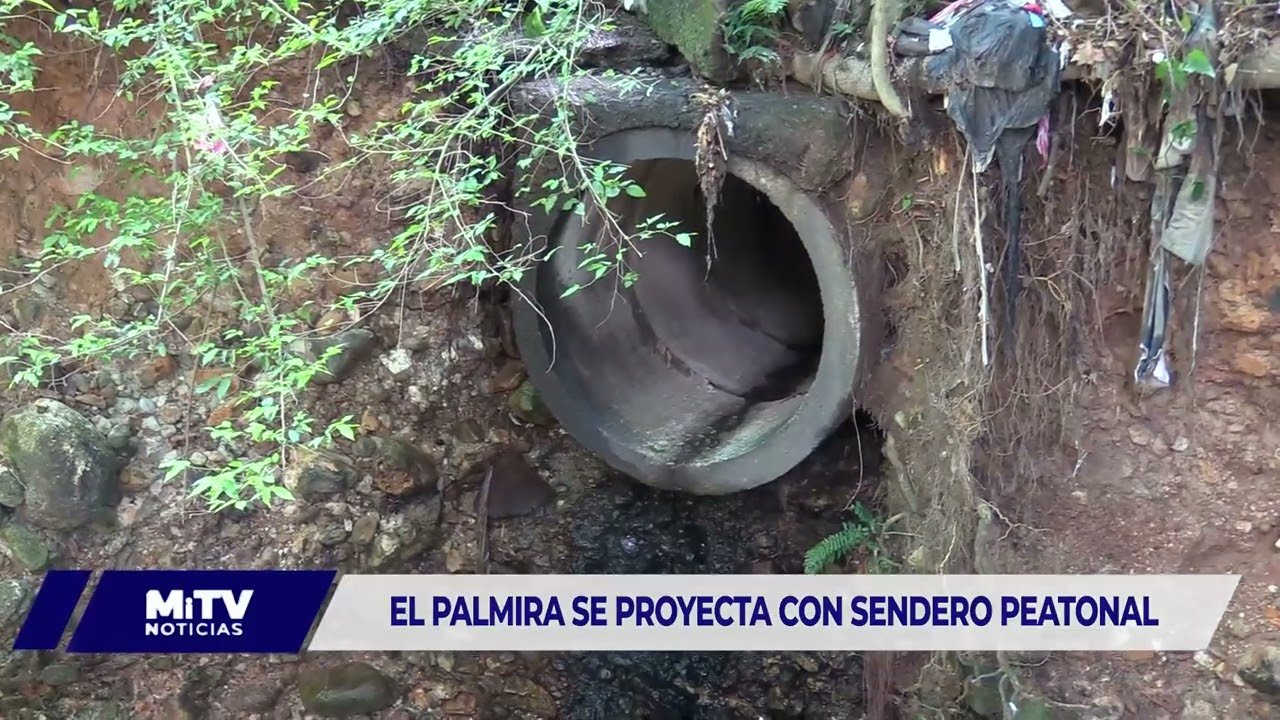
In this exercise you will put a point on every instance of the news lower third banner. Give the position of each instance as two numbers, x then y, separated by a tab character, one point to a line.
274	611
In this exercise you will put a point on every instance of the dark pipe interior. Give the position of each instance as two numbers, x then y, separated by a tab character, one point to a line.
710	348
740	307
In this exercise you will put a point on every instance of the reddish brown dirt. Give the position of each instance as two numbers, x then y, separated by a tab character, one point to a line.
1184	480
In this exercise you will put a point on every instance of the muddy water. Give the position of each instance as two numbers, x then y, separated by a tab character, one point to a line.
629	528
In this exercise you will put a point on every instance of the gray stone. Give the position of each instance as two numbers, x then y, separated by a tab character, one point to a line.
1260	668
314	473
353	347
25	546
345	690
69	473
13	599
363	530
406	535
28	310
366	446
59	674
10	489
331	535
118	437
254	698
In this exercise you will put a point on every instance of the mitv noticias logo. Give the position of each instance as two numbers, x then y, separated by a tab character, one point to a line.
177	611
203	613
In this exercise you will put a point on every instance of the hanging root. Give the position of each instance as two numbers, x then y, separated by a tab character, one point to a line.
883	14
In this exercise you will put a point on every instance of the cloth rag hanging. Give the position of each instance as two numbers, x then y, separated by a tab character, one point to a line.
1002	76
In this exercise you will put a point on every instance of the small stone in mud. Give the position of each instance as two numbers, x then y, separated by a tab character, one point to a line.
404	536
1260	668
254	698
363	530
28	311
93	400
345	690
118	437
366	447
528	407
331	535
58	675
515	488
398	363
25	546
406	469
319	472
352	348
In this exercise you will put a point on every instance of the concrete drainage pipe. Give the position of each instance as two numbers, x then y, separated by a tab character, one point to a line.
721	368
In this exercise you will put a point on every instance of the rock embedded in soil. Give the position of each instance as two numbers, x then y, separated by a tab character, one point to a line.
1259	667
59	675
253	698
10	489
345	690
314	473
69	473
528	407
25	546
353	347
363	530
13	599
404	536
28	311
515	488
405	468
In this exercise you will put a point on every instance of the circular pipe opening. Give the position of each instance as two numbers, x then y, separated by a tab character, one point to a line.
728	360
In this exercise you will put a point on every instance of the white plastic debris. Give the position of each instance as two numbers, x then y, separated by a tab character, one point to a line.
939	39
1056	9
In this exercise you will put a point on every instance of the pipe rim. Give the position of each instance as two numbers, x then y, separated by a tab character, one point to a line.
821	409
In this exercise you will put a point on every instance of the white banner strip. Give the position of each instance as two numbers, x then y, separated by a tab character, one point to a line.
774	612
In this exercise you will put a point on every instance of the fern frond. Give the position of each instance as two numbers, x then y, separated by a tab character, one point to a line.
833	547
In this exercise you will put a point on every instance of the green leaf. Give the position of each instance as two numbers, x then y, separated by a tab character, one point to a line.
684	239
1198	63
636	191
